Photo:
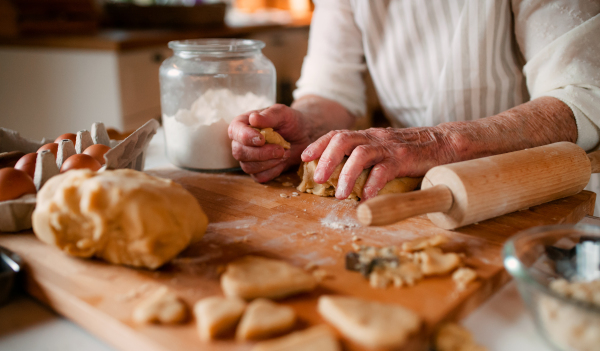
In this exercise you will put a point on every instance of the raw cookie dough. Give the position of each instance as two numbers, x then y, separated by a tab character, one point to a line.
308	185
319	338
272	137
424	242
435	262
453	337
216	315
463	276
251	277
162	306
264	318
371	324
122	216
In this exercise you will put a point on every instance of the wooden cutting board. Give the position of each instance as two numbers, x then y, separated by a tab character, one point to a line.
246	217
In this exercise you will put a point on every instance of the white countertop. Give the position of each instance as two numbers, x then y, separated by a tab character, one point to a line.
501	324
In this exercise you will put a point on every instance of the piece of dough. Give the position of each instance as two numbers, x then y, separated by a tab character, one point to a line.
251	277
264	318
163	306
318	338
272	137
216	315
463	276
424	242
122	216
308	185
453	337
435	262
371	324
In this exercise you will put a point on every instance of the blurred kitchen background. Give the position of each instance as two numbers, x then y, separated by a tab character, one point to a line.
65	64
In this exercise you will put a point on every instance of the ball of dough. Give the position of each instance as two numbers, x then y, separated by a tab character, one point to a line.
122	216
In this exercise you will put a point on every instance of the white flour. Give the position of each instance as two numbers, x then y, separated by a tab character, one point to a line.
197	138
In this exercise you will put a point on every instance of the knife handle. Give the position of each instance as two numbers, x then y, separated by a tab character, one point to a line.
392	208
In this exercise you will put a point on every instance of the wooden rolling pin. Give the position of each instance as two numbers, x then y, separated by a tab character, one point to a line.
467	192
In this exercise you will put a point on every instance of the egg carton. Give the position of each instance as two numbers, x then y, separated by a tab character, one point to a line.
15	215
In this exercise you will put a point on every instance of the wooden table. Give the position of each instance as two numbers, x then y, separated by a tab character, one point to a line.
247	217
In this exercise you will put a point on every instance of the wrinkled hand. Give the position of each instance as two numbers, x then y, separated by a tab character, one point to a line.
392	152
266	161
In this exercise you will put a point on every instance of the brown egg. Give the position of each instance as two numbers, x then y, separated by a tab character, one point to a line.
80	161
14	184
50	146
27	164
71	136
97	151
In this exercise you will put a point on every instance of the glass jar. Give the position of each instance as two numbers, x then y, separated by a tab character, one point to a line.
204	86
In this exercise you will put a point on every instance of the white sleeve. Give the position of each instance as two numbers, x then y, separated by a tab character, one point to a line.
559	40
334	65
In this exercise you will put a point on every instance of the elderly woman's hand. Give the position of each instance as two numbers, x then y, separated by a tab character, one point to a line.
391	152
266	161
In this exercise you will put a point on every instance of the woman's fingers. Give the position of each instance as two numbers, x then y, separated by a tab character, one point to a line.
239	130
314	150
363	156
266	152
341	144
257	167
269	174
381	173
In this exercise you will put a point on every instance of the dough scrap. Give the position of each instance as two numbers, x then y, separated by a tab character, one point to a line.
216	315
163	306
424	242
463	276
251	277
308	185
435	262
453	337
318	338
272	137
122	216
371	324
264	318
406	274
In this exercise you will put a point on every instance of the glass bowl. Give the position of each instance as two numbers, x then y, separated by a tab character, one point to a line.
538	256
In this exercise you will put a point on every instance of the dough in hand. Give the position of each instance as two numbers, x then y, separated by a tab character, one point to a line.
216	315
264	318
272	137
318	338
122	216
163	306
371	324
251	277
308	185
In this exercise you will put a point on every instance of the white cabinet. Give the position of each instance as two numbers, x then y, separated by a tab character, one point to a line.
45	92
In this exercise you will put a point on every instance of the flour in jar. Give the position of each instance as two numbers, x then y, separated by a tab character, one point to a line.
197	138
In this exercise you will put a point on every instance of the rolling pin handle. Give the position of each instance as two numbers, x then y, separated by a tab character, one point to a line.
595	160
392	208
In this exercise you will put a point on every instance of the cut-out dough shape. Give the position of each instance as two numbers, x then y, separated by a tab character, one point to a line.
371	324
264	318
163	306
251	277
216	315
318	338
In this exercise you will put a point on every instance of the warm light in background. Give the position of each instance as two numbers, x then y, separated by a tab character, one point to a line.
296	7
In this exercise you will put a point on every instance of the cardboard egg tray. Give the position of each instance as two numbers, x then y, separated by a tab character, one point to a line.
15	215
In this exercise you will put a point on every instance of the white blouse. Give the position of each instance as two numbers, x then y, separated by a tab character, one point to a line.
435	61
